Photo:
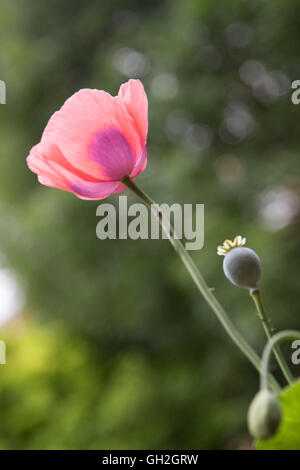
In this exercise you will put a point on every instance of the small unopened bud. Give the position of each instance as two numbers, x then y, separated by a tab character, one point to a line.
264	415
241	265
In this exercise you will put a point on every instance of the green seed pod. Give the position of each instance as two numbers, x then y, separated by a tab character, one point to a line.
264	415
242	267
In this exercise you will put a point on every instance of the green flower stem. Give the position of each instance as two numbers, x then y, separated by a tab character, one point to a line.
271	344
230	328
255	294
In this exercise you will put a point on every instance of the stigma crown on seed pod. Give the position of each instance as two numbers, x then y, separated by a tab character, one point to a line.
228	245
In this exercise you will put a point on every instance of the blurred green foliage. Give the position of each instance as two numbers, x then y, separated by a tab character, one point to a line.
115	348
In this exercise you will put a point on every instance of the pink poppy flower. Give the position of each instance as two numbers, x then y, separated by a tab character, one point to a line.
93	142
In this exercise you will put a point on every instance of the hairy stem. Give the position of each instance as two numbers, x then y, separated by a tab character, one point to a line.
255	294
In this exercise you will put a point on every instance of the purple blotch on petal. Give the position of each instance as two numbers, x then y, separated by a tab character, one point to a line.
112	151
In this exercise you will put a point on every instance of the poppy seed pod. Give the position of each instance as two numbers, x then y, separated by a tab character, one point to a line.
242	267
264	415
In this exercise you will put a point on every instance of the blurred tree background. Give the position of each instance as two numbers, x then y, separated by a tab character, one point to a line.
114	348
